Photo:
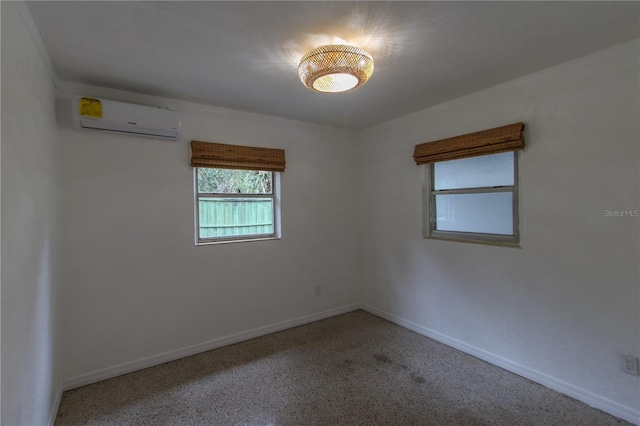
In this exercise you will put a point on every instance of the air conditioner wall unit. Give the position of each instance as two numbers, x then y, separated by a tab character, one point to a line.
121	117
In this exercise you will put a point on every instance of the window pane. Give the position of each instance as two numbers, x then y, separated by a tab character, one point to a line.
487	213
475	172
226	181
229	217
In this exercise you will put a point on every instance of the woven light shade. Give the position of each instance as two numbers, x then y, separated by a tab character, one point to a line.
335	68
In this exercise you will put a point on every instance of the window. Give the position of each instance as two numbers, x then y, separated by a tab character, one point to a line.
471	186
235	204
474	199
237	192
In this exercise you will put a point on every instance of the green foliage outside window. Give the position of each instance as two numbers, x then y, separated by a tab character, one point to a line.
227	181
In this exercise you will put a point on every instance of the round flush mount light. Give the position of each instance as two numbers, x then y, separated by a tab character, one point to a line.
335	68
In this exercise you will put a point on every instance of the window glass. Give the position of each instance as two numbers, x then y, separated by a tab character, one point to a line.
227	181
474	199
223	217
487	213
475	172
235	205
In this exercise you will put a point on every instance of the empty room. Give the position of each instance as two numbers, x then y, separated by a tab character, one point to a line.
320	213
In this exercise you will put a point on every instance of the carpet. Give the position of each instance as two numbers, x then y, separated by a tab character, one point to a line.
352	369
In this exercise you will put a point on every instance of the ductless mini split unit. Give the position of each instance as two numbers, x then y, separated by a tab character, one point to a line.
120	117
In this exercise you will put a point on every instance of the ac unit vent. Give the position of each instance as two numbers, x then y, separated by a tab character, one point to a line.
120	117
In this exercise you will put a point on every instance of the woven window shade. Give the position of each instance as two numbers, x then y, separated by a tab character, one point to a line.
218	155
492	141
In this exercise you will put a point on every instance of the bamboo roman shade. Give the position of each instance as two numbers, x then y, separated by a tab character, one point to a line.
492	141
209	154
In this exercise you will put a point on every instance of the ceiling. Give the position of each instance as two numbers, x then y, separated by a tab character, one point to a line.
244	55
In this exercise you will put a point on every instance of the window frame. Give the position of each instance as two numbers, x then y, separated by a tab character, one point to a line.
275	196
429	210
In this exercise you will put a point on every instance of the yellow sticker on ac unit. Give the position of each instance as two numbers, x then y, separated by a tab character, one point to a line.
90	107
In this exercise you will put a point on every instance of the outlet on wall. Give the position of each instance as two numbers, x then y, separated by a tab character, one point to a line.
630	364
318	290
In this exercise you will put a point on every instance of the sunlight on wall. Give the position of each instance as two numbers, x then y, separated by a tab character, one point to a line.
363	26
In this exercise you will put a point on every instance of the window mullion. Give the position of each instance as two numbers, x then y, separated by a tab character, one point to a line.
485	189
233	195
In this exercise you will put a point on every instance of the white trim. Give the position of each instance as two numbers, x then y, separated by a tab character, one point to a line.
27	19
128	367
56	405
583	395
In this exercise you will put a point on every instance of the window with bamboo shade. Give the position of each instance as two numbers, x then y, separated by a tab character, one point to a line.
237	192
471	192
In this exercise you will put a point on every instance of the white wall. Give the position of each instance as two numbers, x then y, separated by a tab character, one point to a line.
30	216
136	285
563	307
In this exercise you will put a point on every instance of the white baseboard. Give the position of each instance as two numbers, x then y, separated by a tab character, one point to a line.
128	367
56	405
596	401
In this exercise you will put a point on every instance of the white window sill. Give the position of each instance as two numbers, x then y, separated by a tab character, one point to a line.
239	240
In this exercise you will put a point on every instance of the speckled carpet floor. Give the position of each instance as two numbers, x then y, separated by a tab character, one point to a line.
354	369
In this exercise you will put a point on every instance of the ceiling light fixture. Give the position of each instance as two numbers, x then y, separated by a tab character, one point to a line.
335	68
